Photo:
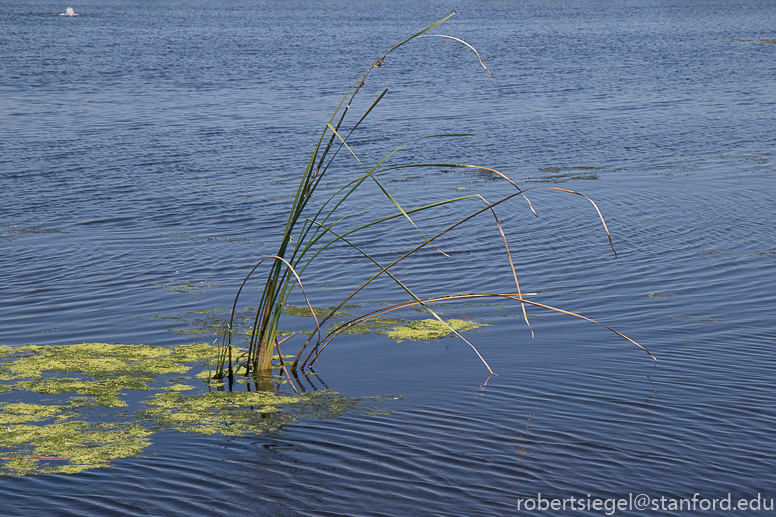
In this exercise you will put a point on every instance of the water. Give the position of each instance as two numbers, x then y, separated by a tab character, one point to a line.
149	152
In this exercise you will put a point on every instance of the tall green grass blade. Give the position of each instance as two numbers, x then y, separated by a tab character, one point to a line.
311	229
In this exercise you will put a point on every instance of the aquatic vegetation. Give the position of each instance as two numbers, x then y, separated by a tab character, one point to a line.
93	359
320	312
185	286
205	321
397	329
62	415
564	174
316	222
191	352
11	233
73	446
400	329
232	413
20	412
430	329
178	387
97	387
378	324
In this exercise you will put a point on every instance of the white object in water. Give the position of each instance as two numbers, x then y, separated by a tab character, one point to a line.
69	12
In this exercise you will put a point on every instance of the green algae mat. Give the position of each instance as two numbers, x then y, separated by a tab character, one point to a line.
64	409
68	408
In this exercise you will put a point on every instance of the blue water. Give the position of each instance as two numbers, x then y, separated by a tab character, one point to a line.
149	152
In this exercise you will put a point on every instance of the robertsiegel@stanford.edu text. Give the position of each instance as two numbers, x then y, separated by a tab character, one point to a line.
644	502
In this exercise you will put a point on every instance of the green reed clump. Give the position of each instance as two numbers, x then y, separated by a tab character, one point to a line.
310	230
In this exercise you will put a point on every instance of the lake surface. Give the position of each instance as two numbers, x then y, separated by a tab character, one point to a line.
149	152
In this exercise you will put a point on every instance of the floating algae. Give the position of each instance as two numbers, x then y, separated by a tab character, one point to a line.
20	413
63	417
320	312
239	413
423	330
206	322
374	324
74	446
661	295
10	233
69	408
213	321
557	174
97	360
185	286
179	387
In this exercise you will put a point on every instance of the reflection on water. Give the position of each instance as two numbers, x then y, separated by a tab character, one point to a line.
149	152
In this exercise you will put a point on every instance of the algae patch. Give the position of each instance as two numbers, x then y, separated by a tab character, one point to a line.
14	232
21	413
97	360
213	322
564	174
240	413
68	408
378	324
185	286
71	446
320	312
400	329
428	329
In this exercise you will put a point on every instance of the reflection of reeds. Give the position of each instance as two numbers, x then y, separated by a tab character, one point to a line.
308	232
